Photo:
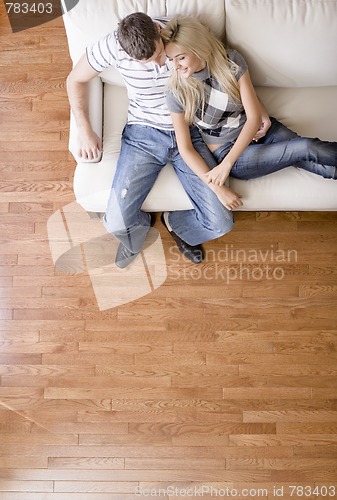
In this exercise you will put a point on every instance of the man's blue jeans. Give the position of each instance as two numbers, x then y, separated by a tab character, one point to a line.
144	152
281	148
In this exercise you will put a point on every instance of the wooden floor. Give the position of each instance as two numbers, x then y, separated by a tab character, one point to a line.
221	383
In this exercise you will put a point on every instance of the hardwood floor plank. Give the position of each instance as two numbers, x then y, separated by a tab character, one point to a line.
96	487
291	418
310	427
86	463
225	375
23	462
71	496
26	486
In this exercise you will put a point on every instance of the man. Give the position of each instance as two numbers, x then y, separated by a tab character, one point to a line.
148	143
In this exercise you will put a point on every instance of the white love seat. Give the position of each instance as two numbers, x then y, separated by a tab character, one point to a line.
290	46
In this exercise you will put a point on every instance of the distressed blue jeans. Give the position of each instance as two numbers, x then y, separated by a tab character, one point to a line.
145	151
281	148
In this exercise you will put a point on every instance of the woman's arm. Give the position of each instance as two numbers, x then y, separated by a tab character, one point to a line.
252	108
229	198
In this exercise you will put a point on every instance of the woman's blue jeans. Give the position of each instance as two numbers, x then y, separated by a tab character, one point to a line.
144	152
281	148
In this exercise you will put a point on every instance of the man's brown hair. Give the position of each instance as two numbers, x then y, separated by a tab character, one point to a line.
138	34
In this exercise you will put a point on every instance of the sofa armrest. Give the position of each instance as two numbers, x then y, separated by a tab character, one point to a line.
95	97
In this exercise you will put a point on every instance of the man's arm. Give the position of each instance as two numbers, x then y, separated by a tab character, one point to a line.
90	145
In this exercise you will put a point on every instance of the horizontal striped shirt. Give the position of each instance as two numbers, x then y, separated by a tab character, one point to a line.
145	82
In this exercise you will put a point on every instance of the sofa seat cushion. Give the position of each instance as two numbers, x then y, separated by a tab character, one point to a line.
291	189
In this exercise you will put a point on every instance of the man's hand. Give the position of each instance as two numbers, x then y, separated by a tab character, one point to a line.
90	145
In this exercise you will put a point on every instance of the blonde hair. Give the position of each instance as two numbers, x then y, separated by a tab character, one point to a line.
191	35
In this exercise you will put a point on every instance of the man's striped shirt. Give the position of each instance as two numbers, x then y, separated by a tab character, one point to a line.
145	82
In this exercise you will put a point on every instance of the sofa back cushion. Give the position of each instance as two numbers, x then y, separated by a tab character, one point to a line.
287	43
91	20
210	12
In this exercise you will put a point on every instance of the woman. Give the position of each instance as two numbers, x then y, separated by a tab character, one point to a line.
212	88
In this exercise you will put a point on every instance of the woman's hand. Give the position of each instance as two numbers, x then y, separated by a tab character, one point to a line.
229	198
265	126
265	123
218	175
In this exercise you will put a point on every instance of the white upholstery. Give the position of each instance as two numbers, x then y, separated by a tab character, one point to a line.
288	43
290	46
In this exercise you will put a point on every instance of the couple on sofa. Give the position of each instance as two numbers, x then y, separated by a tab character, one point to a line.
191	103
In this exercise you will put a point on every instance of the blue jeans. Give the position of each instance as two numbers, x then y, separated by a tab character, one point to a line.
281	148
145	151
